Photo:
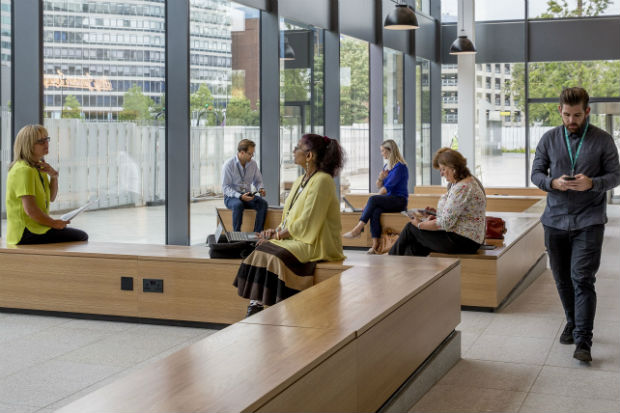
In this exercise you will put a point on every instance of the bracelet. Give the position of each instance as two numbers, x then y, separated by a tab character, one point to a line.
419	223
277	235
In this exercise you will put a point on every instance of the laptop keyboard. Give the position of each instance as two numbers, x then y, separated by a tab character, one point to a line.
238	236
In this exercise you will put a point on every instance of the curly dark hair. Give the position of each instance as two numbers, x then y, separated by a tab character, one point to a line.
452	159
329	154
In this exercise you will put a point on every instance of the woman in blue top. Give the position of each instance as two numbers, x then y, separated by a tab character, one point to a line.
393	195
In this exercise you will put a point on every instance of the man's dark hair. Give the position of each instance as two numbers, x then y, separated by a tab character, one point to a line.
572	96
245	144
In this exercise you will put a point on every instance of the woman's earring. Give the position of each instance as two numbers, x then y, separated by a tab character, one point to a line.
307	165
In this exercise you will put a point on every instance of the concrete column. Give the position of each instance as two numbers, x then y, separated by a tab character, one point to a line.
467	88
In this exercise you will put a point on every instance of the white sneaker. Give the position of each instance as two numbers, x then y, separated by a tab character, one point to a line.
351	235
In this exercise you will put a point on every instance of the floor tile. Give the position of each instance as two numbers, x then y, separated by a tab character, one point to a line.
492	375
549	403
474	322
578	382
442	398
527	350
520	325
17	408
18	325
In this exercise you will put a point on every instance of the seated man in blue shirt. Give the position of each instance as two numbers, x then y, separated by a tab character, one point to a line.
239	174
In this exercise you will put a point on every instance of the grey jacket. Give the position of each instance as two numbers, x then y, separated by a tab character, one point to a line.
598	159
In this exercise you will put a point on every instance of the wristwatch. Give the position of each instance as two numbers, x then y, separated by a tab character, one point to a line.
419	223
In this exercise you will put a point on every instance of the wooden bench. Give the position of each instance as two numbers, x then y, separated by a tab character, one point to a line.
489	276
86	278
495	203
490	190
346	344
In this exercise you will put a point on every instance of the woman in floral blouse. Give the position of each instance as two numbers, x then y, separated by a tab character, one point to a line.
460	224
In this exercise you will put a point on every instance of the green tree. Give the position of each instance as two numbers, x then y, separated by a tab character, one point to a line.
71	109
239	112
547	79
136	106
201	102
354	97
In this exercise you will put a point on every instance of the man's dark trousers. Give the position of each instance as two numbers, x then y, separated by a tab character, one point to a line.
237	206
575	256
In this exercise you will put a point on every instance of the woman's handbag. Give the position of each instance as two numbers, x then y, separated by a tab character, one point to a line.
388	238
496	228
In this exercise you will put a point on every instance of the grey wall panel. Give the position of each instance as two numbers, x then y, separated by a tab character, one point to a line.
257	4
425	38
27	65
357	19
376	113
270	106
315	12
177	124
448	35
575	39
500	42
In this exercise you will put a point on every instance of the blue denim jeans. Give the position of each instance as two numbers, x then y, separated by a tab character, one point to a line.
237	206
575	257
378	204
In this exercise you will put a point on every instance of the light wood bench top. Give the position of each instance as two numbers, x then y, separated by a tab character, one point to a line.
489	190
237	369
366	292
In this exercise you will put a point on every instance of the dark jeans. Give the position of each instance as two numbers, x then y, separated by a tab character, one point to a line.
237	206
378	204
418	242
575	257
53	235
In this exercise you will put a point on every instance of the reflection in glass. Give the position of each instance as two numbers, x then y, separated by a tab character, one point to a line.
423	122
224	101
393	96
500	132
103	79
5	101
301	93
354	126
449	106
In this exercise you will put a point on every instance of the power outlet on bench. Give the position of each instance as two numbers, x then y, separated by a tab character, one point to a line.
152	285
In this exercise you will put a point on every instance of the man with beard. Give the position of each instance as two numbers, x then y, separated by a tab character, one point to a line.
576	163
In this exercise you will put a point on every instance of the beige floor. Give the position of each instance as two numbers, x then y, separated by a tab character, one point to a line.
512	360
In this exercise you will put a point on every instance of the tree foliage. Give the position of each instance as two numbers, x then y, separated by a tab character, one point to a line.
136	105
354	96
239	112
201	103
71	109
547	79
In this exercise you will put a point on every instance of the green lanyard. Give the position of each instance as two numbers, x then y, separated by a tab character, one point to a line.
573	161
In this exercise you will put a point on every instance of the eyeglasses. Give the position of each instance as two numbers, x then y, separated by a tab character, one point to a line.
43	140
299	148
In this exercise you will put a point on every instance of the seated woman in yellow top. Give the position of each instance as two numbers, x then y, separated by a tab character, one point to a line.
284	261
30	187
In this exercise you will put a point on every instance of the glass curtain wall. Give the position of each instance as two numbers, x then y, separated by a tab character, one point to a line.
354	113
601	78
490	10
5	103
224	100
500	128
572	8
449	106
301	93
393	89
103	80
423	122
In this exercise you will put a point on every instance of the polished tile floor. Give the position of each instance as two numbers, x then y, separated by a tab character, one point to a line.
512	360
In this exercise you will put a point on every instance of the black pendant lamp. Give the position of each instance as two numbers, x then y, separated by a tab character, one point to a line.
462	44
289	53
401	18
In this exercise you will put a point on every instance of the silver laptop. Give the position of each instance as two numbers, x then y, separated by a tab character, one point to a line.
232	236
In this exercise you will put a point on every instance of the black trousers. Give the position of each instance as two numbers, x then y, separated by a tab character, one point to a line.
575	257
378	204
53	235
413	241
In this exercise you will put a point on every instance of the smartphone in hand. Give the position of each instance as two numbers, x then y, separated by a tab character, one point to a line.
569	178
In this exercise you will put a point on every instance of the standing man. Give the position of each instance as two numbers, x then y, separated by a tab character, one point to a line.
576	163
239	174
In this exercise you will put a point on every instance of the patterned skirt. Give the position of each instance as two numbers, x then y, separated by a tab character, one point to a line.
272	273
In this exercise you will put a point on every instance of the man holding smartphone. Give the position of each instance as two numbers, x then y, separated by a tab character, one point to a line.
238	175
576	163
